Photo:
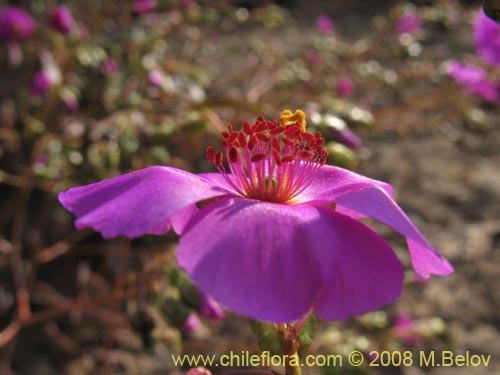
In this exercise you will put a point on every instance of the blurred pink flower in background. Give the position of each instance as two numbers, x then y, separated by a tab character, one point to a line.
16	25
324	23
198	371
475	80
41	83
144	6
155	78
404	329
409	23
109	66
345	86
192	323
61	19
487	38
210	308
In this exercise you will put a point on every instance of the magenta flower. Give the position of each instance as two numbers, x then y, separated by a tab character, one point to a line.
324	23
348	138
210	308
192	323
277	234
144	6
41	83
487	38
109	66
408	23
16	25
405	330
475	80
156	78
61	19
345	86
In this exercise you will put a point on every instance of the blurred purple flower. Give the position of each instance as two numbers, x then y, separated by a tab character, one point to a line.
475	80
324	23
198	371
348	138
155	78
41	83
187	3
405	330
254	238
16	25
210	308
144	6
192	323
61	19
408	23
345	86
109	66
487	38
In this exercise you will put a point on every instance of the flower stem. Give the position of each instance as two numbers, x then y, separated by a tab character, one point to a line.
290	344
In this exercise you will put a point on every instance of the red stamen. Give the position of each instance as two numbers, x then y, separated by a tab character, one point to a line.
233	155
258	157
218	159
288	158
210	154
252	142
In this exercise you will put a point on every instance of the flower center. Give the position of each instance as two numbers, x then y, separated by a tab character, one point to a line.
270	161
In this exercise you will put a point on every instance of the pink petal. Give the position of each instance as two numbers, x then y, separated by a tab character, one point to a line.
274	262
359	196
137	203
361	271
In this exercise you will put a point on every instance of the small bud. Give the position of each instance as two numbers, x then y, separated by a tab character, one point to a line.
210	308
41	83
61	19
109	66
192	323
16	25
144	6
324	23
199	371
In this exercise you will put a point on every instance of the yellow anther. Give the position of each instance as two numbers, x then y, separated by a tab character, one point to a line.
288	118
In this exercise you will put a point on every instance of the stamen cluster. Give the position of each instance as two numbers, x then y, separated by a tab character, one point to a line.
269	161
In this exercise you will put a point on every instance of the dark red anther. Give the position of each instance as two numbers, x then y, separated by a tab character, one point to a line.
233	155
264	137
307	136
317	135
289	142
210	154
271	124
247	128
230	128
218	159
260	126
224	134
288	158
232	137
292	130
242	140
304	154
276	144
278	130
224	144
276	157
260	119
252	142
257	157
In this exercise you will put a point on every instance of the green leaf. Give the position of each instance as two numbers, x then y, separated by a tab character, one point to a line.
307	333
267	336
